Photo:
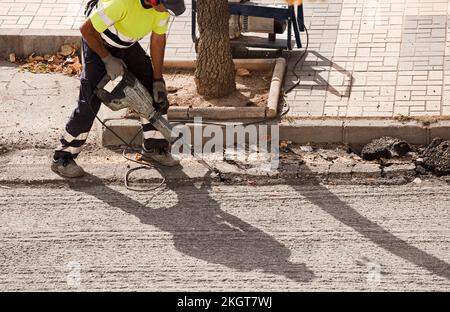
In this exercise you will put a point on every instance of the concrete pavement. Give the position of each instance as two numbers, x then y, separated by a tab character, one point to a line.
365	59
34	108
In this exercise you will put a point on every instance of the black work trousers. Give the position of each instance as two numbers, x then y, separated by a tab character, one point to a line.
82	118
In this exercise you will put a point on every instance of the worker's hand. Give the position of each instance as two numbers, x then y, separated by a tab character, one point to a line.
159	91
115	67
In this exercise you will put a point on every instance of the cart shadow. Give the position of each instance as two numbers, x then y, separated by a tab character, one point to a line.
311	68
201	229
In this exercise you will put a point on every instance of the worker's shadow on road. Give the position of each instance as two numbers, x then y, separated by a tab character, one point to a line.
344	213
201	229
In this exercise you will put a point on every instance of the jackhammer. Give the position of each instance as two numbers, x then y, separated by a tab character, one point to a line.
130	93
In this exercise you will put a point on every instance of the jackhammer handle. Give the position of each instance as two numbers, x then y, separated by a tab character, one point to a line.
164	104
106	97
103	82
101	93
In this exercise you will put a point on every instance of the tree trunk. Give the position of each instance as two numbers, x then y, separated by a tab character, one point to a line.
215	73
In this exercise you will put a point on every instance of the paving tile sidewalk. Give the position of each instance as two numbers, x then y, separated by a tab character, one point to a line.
366	58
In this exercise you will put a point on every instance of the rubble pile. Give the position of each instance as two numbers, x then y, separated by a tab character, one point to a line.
436	157
65	61
385	147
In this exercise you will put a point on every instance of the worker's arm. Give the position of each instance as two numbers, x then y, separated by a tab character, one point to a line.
93	39
157	48
114	66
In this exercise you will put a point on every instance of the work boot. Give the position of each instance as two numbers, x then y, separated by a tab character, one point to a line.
160	155
66	167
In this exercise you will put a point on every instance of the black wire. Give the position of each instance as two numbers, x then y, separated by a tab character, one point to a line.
305	52
145	165
128	146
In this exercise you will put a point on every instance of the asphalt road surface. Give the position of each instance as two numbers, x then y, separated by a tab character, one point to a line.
195	237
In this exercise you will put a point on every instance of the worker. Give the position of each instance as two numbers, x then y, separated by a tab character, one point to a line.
110	45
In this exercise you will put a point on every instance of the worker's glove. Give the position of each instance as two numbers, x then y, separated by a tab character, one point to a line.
160	94
115	67
159	90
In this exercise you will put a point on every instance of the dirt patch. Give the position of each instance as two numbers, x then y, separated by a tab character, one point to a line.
252	90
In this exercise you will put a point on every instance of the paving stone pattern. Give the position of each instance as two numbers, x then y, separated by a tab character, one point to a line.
366	58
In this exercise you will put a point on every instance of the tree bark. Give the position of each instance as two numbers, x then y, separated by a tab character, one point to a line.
215	73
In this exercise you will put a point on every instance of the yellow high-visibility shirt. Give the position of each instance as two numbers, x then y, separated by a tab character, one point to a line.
124	22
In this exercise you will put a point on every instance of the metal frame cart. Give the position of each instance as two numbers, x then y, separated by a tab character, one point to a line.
281	13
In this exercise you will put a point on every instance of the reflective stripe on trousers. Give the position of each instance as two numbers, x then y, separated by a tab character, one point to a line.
82	118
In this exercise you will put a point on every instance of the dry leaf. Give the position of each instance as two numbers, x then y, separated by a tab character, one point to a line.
30	57
67	70
241	72
12	57
67	50
78	68
69	65
57	60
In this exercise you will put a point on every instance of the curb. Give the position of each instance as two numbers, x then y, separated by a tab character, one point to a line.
360	131
250	64
275	88
23	42
130	128
316	131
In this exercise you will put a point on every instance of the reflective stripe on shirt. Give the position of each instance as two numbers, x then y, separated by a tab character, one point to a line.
122	23
111	35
